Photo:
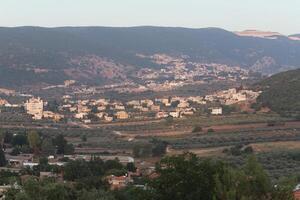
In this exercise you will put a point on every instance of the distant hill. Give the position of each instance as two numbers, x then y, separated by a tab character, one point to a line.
295	37
33	55
281	93
259	34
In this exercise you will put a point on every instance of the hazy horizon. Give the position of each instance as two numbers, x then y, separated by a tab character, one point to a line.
233	15
92	26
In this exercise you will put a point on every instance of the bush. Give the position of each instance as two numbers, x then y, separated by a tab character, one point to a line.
197	129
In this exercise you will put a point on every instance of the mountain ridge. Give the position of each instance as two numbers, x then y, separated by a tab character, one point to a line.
27	49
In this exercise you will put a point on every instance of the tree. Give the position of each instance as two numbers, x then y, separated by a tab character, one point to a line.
113	164
184	177
226	181
36	190
32	189
133	193
47	147
76	170
255	183
60	143
22	196
131	167
95	195
159	147
3	161
19	140
34	141
55	191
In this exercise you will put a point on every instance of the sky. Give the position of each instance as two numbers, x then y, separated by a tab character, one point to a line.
235	15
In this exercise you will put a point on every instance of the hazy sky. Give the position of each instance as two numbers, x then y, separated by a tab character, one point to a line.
276	15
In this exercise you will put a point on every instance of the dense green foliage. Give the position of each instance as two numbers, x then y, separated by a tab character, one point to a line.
183	177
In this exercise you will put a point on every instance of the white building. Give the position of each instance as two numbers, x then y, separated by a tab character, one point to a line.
161	114
183	104
35	107
174	114
216	111
80	115
108	118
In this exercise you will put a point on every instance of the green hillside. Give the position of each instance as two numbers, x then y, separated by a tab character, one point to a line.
281	93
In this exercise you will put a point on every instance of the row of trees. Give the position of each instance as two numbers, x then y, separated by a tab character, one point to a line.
33	142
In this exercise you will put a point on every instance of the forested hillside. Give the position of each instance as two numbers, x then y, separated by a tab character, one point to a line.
281	93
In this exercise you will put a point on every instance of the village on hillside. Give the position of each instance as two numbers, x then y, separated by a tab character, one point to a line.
108	110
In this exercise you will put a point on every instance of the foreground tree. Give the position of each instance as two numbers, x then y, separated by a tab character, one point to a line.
184	177
254	183
187	177
95	195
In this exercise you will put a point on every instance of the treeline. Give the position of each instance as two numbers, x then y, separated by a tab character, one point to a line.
183	177
36	143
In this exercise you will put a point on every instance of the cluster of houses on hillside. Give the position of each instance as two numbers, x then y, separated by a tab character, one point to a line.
108	110
233	96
